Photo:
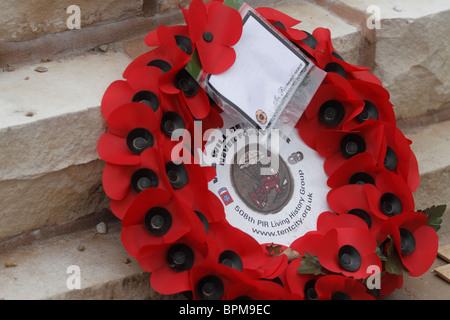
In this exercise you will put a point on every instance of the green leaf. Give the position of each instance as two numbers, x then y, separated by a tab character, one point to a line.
235	4
310	265
393	263
434	214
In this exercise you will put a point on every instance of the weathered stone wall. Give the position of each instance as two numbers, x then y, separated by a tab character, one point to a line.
25	20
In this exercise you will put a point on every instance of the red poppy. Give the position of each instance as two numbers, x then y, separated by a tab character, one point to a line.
360	169
376	103
214	29
327	58
301	284
171	264
209	206
337	146
329	220
352	200
349	251
133	127
415	242
273	266
141	86
389	196
331	107
215	281
123	183
283	23
398	156
342	244
309	242
255	290
170	53
179	82
235	248
390	282
164	36
157	217
336	287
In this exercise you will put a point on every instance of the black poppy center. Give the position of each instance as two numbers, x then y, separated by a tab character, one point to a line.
363	215
184	44
147	97
180	257
390	159
163	65
158	221
208	36
210	287
310	40
352	144
361	178
170	122
177	174
335	68
139	139
339	295
407	241
231	259
390	204
310	290
349	258
143	179
203	220
331	113
279	25
186	83
369	112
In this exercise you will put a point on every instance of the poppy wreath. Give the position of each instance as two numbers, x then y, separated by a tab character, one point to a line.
177	229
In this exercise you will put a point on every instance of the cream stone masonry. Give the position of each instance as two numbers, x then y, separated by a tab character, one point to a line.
50	124
346	38
431	147
106	269
53	118
411	53
24	20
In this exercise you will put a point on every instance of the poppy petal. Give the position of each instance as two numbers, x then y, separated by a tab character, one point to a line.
113	149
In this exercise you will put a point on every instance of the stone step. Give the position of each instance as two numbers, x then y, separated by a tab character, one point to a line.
46	269
49	127
431	147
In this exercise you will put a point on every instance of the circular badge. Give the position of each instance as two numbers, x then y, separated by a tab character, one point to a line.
261	116
262	188
274	196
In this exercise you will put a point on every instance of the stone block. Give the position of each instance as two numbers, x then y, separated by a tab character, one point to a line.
105	268
49	128
410	50
346	38
53	198
431	147
24	20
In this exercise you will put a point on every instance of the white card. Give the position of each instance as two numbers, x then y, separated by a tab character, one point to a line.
265	75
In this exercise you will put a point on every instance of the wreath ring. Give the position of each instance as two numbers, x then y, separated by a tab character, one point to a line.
177	228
